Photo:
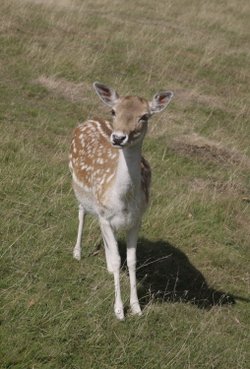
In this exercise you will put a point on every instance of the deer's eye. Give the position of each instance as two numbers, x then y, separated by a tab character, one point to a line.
113	112
144	118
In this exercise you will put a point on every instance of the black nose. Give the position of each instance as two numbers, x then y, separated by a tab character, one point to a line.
118	140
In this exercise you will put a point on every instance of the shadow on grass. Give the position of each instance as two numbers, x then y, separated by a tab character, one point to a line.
166	274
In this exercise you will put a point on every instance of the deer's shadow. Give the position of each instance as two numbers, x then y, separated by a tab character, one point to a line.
165	273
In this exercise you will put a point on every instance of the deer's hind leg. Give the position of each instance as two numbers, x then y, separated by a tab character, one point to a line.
77	248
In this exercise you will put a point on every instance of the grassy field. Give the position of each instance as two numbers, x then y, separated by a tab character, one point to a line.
193	253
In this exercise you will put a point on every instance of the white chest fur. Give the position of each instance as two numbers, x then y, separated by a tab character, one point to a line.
126	201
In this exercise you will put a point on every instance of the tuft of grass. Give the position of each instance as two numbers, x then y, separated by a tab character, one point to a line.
193	251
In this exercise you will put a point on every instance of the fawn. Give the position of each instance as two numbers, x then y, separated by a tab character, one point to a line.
111	179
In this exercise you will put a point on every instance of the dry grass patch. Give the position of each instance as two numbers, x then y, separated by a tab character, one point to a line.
55	3
243	221
202	148
186	97
230	187
73	92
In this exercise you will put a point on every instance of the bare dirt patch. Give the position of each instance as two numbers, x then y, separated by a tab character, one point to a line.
204	149
74	92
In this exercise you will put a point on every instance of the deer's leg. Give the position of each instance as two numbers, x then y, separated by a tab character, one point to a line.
77	248
132	237
108	256
114	262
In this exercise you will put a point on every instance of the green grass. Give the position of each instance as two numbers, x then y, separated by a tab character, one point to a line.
193	252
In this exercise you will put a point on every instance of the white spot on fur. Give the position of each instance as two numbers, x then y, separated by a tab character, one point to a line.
110	177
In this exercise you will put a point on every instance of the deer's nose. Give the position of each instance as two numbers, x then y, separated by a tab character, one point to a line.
119	138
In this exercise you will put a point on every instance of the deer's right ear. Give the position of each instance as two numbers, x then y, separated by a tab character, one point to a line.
106	94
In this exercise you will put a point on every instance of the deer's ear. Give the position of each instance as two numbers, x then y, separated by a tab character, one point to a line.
106	94
160	101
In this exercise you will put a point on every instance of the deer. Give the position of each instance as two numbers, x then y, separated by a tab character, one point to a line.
111	179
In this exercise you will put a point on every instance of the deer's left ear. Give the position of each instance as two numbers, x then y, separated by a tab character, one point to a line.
160	101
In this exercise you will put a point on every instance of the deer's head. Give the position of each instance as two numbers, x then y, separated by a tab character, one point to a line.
130	113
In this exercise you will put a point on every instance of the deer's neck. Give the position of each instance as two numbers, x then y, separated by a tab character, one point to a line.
129	170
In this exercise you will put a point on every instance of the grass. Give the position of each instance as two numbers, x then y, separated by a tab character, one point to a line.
193	253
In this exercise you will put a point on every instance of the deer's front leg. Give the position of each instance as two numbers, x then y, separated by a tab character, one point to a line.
114	260
132	237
